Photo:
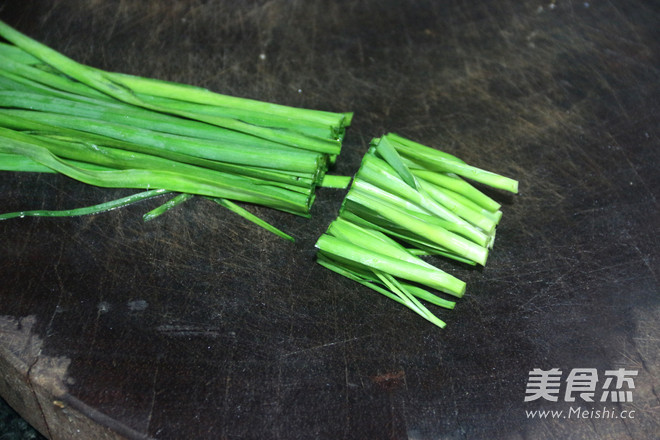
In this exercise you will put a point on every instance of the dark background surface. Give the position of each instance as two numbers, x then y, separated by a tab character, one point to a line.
13	427
201	325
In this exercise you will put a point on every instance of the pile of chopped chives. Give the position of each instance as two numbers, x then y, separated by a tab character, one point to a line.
408	200
115	130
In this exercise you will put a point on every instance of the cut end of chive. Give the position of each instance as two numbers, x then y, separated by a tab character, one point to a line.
334	181
460	290
514	187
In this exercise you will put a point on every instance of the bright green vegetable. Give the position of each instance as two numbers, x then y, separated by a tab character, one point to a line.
88	210
459	186
233	187
378	174
440	236
430	276
124	88
368	279
117	130
400	195
421	246
332	181
233	207
170	145
435	160
172	203
110	129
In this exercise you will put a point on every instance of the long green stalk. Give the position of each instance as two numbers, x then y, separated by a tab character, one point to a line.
444	238
114	158
458	185
67	104
123	88
232	187
419	245
451	222
163	144
70	140
187	93
88	210
256	117
435	161
311	122
19	163
431	277
113	129
29	75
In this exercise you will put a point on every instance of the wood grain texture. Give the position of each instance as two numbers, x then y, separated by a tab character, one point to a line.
200	325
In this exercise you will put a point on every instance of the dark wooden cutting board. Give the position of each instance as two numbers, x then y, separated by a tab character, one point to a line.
200	325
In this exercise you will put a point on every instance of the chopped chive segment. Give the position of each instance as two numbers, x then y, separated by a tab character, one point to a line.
477	219
448	220
455	183
429	276
372	240
438	235
355	275
397	210
435	160
385	149
333	181
421	246
379	173
401	141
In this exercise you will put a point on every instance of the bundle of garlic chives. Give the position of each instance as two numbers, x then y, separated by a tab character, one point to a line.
117	130
408	193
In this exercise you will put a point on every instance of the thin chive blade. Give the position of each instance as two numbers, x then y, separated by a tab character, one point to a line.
347	272
385	149
233	207
232	187
410	300
170	204
88	210
429	276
